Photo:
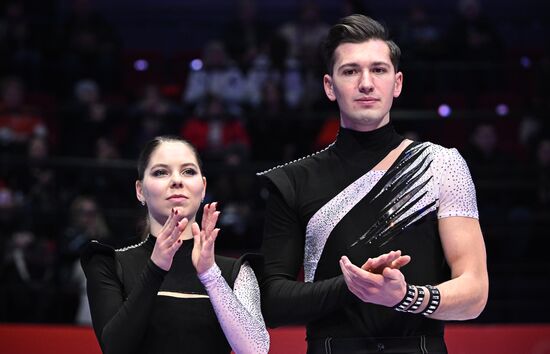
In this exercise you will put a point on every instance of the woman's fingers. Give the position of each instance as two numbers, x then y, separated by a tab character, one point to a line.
168	221
196	231
178	229
208	241
205	215
170	225
212	222
209	217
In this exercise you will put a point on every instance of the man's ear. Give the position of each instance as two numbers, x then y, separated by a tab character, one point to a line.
329	87
398	84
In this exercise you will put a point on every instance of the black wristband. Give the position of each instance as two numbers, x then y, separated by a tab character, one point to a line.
419	300
404	304
435	298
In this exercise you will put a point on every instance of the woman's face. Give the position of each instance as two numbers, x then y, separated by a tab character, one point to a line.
172	179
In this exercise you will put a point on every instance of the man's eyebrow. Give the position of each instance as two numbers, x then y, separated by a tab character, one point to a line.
349	65
356	65
380	63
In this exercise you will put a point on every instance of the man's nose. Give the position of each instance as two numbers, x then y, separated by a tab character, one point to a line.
365	82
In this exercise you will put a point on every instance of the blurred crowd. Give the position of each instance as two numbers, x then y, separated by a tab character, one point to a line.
76	106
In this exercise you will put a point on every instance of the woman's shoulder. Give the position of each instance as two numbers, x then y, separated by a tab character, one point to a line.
96	250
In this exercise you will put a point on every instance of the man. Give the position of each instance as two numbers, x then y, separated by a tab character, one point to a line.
386	229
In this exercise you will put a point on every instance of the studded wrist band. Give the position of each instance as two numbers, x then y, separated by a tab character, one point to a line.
418	301
434	299
404	304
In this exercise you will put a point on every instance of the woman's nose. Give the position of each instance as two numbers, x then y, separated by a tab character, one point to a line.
177	180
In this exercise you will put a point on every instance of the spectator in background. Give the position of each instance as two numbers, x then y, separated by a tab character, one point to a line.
85	222
19	122
543	174
484	154
86	119
304	37
419	36
19	43
216	75
275	69
107	178
327	133
350	7
487	162
246	34
40	185
529	132
11	203
305	34
26	275
152	115
89	47
472	36
216	133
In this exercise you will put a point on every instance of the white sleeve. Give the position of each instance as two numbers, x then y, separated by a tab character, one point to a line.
238	311
457	194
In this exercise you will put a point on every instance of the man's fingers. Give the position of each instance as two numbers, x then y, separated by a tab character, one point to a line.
400	262
357	274
392	274
392	259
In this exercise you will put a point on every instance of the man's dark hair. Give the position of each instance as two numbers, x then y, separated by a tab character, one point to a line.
357	29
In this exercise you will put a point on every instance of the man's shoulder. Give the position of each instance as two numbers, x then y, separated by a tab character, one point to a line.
437	150
304	163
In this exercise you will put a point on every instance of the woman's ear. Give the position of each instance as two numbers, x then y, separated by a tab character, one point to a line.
139	192
204	188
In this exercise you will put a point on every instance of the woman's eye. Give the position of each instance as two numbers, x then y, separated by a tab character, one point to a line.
189	172
158	173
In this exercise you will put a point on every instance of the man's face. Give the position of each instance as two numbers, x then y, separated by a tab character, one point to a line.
364	83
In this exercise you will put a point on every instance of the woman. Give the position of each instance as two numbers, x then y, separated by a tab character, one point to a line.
169	293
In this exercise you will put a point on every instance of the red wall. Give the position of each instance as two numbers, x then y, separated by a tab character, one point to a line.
461	339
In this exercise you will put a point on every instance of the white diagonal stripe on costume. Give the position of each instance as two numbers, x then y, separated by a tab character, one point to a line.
322	223
325	219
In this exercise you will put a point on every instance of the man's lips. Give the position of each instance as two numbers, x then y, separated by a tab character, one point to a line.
367	99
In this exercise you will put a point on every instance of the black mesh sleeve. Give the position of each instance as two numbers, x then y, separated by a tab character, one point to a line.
284	299
118	321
